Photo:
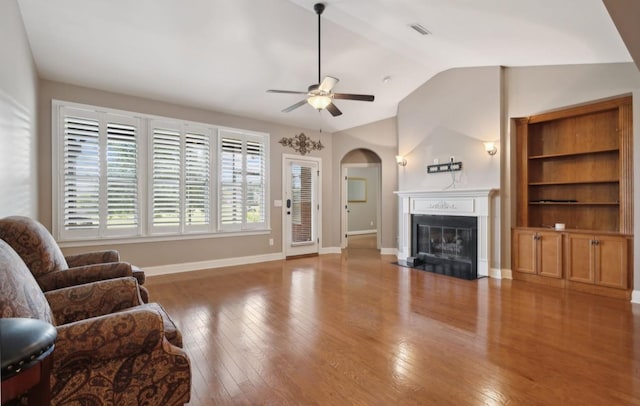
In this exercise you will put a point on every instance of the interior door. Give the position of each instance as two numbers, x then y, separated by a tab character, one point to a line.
301	206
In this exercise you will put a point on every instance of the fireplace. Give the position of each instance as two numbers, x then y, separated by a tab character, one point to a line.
476	205
445	244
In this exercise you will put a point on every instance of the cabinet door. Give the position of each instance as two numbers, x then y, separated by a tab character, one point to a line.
550	254
611	261
580	258
524	251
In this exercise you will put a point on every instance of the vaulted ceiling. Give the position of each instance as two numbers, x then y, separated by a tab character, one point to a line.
223	54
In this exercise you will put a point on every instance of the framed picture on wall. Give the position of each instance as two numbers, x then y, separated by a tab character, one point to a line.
356	190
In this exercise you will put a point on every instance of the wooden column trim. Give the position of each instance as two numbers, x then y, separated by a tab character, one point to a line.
625	129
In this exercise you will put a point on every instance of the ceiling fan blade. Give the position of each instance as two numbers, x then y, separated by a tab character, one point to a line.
285	91
334	110
295	106
328	83
359	97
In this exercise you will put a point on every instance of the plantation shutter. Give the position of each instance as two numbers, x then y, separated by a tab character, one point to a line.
122	176
167	158
255	201
81	173
231	183
197	180
243	184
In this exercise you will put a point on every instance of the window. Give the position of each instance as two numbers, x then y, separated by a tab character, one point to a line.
181	177
99	164
122	174
242	181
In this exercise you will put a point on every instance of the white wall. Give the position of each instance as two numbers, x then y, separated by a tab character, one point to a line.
18	100
451	115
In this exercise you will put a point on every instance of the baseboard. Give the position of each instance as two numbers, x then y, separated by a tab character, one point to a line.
330	250
215	263
495	273
388	251
635	296
361	232
506	274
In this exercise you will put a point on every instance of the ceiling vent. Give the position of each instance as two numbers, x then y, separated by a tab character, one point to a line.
420	29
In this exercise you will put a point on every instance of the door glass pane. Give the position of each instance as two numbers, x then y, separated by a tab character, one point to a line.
301	201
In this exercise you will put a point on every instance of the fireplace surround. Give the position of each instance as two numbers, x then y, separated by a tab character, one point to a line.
474	203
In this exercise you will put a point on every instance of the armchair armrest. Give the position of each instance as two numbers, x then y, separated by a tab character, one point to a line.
107	337
84	274
93	299
94	257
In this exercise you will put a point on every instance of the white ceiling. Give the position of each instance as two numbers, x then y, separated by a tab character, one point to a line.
223	54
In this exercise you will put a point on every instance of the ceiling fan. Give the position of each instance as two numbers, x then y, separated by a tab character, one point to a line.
320	96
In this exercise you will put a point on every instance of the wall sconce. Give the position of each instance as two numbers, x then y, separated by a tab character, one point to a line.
491	148
401	161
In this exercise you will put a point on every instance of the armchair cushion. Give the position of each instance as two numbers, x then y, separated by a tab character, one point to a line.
109	336
100	298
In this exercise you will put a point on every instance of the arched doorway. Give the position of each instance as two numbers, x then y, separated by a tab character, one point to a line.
360	195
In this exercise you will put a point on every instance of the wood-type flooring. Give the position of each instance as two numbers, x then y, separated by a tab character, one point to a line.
355	329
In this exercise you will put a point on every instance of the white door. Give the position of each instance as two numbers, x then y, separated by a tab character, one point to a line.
301	206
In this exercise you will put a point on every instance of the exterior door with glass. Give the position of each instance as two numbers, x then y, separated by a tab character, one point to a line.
301	206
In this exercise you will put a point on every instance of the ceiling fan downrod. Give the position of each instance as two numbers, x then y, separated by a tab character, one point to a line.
319	8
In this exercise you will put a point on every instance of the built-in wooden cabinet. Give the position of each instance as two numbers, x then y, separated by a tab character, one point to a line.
597	259
574	166
538	252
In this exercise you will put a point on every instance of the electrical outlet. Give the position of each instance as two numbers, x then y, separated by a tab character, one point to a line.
371	224
270	241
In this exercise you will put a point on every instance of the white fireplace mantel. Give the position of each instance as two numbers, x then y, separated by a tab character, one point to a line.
454	202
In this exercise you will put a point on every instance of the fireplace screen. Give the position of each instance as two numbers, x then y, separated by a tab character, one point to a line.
446	244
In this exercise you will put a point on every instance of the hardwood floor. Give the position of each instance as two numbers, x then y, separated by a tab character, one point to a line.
354	329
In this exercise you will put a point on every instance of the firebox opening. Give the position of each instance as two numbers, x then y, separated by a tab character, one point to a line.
445	245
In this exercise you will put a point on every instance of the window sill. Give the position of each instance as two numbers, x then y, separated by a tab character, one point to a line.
158	238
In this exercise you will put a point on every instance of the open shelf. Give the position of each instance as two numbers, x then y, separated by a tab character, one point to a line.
572	154
576	203
575	166
573	182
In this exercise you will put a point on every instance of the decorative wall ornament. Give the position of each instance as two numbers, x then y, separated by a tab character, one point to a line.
301	143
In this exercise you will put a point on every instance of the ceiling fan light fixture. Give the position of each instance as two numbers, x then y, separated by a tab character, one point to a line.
319	102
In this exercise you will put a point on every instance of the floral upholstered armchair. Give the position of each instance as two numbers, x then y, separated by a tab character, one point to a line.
52	270
109	349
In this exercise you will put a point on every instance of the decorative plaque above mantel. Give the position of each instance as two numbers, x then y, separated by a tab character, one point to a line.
449	206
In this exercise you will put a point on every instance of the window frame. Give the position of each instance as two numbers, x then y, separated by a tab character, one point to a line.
146	230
